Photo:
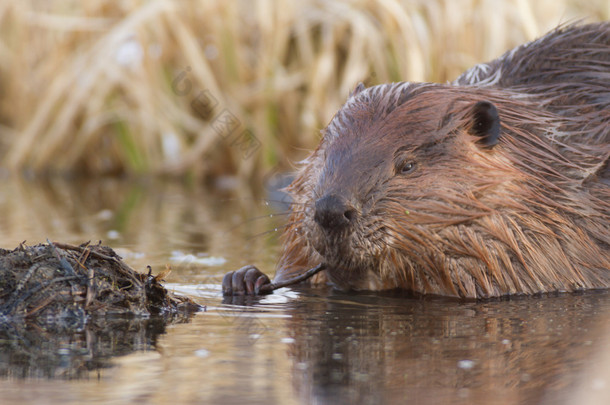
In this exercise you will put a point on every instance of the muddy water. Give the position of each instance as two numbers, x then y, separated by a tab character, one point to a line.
295	346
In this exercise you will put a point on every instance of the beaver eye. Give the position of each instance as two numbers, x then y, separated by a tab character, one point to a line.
408	167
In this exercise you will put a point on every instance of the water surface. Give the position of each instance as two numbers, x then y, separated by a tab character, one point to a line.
298	345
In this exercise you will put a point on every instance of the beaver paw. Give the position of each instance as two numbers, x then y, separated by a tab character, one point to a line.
246	281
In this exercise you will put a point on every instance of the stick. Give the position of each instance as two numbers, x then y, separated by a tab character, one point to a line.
127	271
267	288
67	246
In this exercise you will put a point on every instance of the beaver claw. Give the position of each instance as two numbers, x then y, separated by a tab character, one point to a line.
246	281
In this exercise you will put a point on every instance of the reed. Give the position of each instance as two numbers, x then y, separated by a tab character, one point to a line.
211	87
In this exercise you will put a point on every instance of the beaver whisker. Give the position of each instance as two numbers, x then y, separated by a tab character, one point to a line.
274	230
263	200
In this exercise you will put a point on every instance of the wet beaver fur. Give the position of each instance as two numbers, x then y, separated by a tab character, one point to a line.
495	184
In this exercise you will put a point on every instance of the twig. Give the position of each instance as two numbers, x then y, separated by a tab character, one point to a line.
267	288
83	258
15	295
91	288
127	271
67	246
9	308
63	262
42	305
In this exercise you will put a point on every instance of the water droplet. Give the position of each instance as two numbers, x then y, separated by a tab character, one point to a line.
465	364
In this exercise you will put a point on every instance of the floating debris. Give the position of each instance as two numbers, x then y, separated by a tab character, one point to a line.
55	280
67	310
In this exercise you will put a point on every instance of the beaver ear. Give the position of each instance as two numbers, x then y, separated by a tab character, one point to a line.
358	89
485	124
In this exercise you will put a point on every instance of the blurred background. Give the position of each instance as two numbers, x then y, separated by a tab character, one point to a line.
105	103
207	89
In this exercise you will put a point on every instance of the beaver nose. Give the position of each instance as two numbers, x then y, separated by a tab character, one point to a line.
334	212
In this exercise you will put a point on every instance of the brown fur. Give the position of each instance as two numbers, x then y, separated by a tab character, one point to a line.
529	215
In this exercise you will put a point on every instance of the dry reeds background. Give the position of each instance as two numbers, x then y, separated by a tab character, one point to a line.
216	87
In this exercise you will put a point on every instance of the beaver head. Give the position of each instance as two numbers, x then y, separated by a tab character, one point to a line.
440	190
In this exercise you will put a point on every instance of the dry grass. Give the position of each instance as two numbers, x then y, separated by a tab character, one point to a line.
102	87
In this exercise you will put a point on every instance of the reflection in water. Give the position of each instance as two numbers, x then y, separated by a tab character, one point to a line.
294	346
72	351
375	349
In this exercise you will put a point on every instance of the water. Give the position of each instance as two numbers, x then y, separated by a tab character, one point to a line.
298	345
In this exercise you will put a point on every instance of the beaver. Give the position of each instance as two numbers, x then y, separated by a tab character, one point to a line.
495	184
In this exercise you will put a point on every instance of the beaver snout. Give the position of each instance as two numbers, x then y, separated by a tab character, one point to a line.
334	213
